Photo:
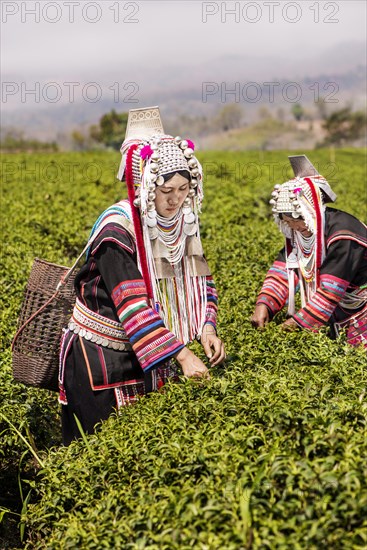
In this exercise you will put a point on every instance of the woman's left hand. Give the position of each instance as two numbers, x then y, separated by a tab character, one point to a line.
213	346
290	324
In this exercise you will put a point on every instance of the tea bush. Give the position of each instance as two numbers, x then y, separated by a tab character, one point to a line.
270	453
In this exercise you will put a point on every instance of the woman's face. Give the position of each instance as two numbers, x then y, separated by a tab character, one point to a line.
297	224
171	195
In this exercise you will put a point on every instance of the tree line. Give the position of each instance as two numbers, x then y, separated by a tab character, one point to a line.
341	127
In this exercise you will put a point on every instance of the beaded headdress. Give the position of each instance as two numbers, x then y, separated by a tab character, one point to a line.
299	198
303	195
156	154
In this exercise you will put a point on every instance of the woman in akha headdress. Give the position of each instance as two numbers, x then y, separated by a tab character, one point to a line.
145	290
325	255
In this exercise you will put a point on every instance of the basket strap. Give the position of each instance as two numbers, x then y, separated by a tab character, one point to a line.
116	219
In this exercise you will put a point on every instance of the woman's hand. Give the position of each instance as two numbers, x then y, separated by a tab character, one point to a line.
290	324
260	317
213	346
190	364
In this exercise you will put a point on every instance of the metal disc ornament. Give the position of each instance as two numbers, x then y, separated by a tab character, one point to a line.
189	218
152	213
190	229
151	222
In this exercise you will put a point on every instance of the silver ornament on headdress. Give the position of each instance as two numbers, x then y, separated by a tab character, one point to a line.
285	200
285	197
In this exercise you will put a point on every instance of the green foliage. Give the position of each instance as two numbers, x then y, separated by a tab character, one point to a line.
344	126
264	456
49	204
111	129
268	454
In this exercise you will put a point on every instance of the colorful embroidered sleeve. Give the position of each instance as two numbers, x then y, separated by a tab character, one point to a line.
212	302
151	341
274	292
343	260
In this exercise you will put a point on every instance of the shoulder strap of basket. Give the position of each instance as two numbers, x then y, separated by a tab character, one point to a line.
117	218
112	219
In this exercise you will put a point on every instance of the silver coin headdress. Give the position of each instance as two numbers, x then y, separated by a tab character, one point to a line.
302	196
156	155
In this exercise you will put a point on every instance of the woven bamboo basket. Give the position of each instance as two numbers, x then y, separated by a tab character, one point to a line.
45	311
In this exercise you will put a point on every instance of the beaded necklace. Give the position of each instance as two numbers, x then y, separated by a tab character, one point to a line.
306	254
170	232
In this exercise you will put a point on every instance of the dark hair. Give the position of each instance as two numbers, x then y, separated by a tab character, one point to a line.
184	173
324	196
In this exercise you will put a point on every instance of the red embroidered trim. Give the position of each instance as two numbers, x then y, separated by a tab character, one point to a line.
346	236
319	235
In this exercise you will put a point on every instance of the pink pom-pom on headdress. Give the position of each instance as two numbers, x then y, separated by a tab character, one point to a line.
191	144
297	190
146	152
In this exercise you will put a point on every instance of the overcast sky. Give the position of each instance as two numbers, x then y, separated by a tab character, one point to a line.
65	42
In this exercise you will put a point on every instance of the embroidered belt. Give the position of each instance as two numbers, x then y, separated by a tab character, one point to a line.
358	320
98	329
355	299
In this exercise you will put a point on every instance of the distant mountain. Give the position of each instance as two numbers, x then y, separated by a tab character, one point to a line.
338	75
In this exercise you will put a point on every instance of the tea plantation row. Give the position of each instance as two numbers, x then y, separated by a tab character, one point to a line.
270	453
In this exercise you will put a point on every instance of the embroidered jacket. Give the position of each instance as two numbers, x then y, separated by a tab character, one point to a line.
343	275
111	285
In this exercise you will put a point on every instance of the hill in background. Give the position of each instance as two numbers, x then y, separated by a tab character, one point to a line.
194	94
